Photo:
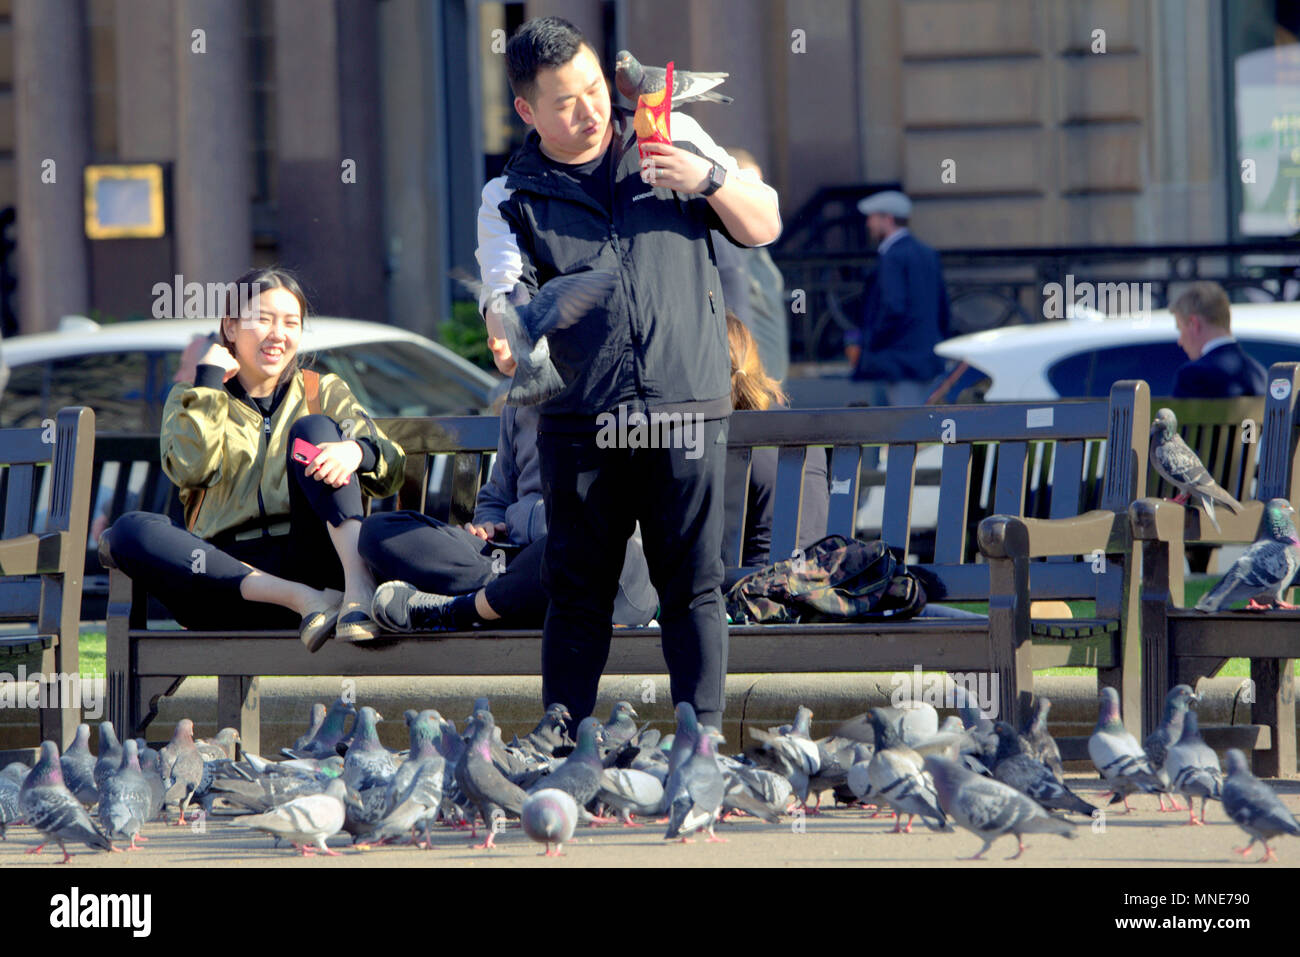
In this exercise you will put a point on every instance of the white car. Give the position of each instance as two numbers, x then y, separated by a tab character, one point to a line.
124	370
1083	357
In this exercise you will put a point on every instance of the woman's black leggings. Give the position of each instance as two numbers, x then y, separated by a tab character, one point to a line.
198	581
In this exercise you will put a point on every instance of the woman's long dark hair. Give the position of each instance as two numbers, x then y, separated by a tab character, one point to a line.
267	277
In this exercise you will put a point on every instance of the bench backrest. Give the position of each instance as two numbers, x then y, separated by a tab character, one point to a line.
1225	434
45	470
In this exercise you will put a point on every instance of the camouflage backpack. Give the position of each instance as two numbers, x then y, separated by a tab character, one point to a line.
837	579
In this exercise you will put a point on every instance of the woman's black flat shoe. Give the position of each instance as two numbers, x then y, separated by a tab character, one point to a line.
355	623
316	629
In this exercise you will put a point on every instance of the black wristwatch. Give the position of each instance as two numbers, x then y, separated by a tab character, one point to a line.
717	176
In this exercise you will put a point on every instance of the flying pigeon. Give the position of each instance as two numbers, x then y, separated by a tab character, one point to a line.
47	805
182	767
306	822
1156	746
1193	768
1254	806
1038	743
127	802
480	780
988	808
634	80
78	766
549	817
1265	569
695	794
560	303
1178	465
1030	776
1116	754
110	753
897	776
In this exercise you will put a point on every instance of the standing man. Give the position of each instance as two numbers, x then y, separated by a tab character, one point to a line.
1219	367
572	198
905	312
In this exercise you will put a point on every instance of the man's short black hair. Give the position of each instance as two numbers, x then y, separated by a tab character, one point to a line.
538	44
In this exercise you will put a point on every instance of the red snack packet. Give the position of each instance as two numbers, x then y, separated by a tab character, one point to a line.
651	120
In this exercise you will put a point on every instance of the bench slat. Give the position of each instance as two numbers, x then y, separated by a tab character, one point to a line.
738	459
900	469
842	514
1009	493
789	498
950	528
19	504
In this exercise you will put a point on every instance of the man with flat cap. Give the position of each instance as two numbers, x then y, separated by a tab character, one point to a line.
905	310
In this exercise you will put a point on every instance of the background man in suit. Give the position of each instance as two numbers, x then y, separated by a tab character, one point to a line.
1220	368
905	312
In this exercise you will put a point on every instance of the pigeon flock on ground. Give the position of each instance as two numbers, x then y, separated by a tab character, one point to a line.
970	773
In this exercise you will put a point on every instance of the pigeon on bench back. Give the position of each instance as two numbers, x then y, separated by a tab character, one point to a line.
1177	464
1265	569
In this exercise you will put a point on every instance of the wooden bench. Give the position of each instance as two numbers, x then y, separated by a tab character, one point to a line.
1182	645
145	664
41	569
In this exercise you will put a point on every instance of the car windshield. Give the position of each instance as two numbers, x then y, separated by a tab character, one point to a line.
402	378
1091	374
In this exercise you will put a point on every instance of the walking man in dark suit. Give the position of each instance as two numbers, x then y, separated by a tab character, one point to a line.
1219	367
905	313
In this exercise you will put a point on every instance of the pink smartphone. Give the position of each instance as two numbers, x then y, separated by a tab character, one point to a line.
305	452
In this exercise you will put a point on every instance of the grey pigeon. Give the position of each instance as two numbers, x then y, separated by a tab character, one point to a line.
550	733
78	766
480	780
1193	768
110	753
695	794
1254	806
630	792
756	791
1032	777
1177	464
990	808
330	735
47	805
127	802
580	773
683	741
897	776
416	793
368	763
1265	569
1038	743
634	80
619	729
222	747
306	822
313	726
182	767
1170	729
1116	754
792	753
560	303
549	817
9	813
275	785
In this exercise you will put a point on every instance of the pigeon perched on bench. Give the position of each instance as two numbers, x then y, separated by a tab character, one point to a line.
1177	464
1265	569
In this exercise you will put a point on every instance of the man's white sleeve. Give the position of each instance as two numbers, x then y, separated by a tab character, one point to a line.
500	260
686	129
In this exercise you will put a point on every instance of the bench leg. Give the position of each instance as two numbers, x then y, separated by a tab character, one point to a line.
1274	680
238	703
1010	651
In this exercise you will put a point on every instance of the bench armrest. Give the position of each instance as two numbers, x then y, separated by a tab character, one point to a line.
1007	536
1158	520
31	554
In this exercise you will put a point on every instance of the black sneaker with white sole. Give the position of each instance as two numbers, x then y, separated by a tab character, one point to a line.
400	606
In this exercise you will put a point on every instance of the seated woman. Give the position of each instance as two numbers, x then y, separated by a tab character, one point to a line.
753	388
264	454
439	577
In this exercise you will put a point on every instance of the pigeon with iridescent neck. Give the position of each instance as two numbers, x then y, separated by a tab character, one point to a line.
47	805
1156	745
989	808
480	780
1118	756
313	726
1193	768
417	789
1255	807
1265	569
1177	464
110	753
551	733
580	773
78	766
331	733
127	802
